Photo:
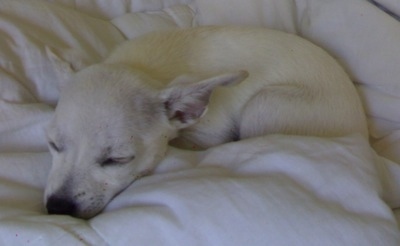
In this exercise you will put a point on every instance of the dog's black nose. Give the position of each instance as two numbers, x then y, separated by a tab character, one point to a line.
59	205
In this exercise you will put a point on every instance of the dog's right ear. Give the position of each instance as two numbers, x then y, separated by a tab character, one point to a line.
62	68
186	102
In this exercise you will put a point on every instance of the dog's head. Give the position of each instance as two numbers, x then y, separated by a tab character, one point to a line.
111	126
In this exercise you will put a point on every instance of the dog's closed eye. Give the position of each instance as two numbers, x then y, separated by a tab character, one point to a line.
116	161
55	147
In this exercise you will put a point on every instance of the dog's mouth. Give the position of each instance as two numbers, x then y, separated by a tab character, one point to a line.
142	174
60	205
146	172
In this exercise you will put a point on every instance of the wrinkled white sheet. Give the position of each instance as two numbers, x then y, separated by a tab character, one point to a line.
277	190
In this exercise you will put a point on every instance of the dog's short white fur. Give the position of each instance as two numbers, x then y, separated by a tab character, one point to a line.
199	88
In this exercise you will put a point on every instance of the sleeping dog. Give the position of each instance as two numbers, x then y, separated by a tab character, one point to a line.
192	88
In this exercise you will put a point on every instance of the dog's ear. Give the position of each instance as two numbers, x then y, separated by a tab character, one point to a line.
186	102
62	68
66	62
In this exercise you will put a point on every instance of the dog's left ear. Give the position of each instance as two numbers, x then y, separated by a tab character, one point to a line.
66	62
186	102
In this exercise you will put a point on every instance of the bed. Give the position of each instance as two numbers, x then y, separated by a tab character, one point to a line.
271	190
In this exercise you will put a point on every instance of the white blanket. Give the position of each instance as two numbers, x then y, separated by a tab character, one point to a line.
275	190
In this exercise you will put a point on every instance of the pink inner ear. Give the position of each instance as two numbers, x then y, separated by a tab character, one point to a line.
189	113
179	115
187	110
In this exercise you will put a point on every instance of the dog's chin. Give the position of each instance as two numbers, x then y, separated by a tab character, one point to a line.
86	215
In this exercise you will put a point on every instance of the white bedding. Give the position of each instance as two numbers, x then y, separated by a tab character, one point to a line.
275	190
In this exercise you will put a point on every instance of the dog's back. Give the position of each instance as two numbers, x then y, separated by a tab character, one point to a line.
294	87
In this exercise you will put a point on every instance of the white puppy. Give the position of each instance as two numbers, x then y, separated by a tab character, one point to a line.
115	119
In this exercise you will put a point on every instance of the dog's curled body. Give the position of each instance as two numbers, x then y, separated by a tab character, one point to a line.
294	87
197	87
